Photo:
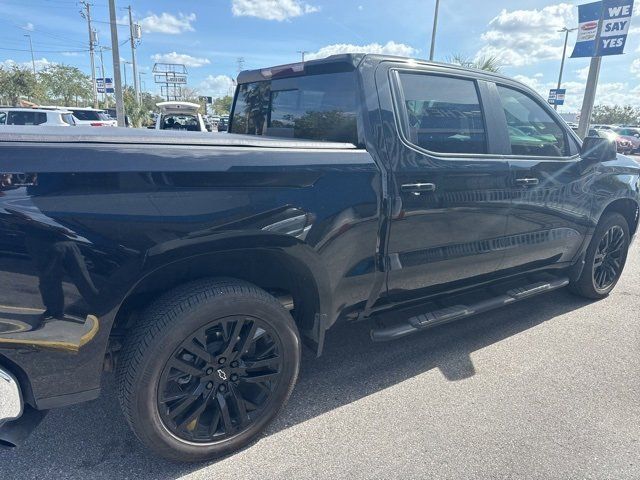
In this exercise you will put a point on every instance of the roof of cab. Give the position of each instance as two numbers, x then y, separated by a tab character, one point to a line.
350	62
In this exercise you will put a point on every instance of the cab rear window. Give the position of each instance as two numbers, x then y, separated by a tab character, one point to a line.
315	107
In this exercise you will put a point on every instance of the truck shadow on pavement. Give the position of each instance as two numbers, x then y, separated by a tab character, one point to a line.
93	440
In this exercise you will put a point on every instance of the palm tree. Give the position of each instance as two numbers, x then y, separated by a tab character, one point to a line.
488	63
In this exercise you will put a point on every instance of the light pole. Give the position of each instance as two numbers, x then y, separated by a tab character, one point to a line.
125	71
303	53
433	33
33	62
564	54
115	51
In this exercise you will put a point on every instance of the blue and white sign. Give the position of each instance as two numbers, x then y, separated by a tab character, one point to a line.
105	87
615	27
603	28
556	96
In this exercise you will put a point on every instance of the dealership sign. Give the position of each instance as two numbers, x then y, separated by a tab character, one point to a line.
170	77
603	28
105	85
556	96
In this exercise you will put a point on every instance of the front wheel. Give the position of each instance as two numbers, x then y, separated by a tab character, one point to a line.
605	258
210	366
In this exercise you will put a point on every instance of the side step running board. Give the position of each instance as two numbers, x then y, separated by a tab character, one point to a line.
458	312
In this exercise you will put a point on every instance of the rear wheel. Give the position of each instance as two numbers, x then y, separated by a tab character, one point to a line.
211	365
605	258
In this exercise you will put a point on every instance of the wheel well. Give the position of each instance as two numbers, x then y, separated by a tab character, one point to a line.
271	270
628	209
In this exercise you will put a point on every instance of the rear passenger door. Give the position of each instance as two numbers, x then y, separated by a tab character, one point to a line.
450	191
550	211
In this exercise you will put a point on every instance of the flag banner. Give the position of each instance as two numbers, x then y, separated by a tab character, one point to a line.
603	28
589	16
615	27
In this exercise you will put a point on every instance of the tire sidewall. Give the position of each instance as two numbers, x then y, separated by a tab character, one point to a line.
149	427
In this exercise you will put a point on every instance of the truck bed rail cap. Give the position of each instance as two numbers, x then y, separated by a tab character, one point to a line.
39	134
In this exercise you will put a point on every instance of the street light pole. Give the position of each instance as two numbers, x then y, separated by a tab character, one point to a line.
105	97
33	61
132	34
92	35
433	33
564	54
303	53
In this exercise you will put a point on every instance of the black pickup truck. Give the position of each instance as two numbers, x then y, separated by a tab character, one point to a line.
195	266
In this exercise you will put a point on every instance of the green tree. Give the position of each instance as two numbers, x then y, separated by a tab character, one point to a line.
487	63
66	84
222	105
15	83
615	114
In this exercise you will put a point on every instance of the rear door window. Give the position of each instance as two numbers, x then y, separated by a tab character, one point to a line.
314	107
3	118
442	114
532	130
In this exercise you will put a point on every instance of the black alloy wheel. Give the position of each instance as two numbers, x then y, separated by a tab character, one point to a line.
220	379
609	257
209	365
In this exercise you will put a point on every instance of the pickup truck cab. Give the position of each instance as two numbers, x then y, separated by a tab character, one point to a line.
195	266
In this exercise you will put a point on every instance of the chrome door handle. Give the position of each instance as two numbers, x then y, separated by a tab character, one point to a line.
527	182
418	188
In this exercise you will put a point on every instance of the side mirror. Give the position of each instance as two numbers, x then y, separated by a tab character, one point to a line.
597	149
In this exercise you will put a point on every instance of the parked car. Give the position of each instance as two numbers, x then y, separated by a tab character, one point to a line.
623	144
180	116
632	135
350	187
36	116
223	124
92	117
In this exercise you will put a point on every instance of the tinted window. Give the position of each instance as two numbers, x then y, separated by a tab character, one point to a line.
26	118
443	114
180	122
90	115
532	130
315	107
3	118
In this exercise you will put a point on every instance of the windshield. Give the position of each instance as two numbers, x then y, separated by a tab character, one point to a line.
315	107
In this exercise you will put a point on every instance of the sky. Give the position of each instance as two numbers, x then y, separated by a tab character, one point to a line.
209	36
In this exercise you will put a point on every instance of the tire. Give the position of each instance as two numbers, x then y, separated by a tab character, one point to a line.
207	369
603	257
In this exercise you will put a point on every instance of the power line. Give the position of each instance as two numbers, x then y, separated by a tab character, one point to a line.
43	51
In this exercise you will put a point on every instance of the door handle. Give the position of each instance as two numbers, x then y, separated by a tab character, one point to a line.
418	188
527	182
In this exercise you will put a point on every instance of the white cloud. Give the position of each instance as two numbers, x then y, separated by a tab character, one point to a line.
523	37
390	48
40	64
216	85
271	9
582	73
29	27
182	58
168	23
613	93
635	67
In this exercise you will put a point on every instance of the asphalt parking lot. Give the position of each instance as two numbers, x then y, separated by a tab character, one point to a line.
547	388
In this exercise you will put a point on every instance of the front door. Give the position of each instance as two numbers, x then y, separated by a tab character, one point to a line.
451	199
550	213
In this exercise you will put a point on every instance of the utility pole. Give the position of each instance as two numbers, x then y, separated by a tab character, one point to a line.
592	86
87	14
303	53
105	96
33	61
115	50
240	64
124	69
433	33
133	35
564	54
